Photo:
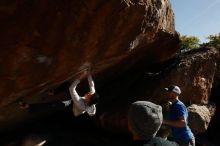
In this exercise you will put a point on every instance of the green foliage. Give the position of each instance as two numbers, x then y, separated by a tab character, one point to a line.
214	41
189	42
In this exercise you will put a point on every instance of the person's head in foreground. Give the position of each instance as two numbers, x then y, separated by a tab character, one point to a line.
144	119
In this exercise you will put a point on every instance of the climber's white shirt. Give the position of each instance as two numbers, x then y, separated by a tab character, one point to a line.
79	105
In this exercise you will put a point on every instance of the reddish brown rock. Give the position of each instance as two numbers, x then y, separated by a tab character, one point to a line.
128	44
200	117
194	74
44	43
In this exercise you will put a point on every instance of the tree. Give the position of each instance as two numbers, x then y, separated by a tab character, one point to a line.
189	42
214	41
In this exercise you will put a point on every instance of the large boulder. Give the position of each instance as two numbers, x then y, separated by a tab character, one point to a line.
194	74
130	46
200	117
45	43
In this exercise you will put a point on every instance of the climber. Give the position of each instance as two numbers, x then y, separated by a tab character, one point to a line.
144	120
178	120
80	105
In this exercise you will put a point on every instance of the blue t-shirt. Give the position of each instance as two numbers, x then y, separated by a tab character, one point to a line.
177	110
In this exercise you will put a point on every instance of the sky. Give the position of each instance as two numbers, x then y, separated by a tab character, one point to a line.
199	18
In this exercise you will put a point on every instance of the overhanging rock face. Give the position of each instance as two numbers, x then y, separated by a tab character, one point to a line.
44	43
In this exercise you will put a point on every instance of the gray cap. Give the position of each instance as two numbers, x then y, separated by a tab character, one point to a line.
145	119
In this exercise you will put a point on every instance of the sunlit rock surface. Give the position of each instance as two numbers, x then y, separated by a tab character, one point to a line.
200	117
194	74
